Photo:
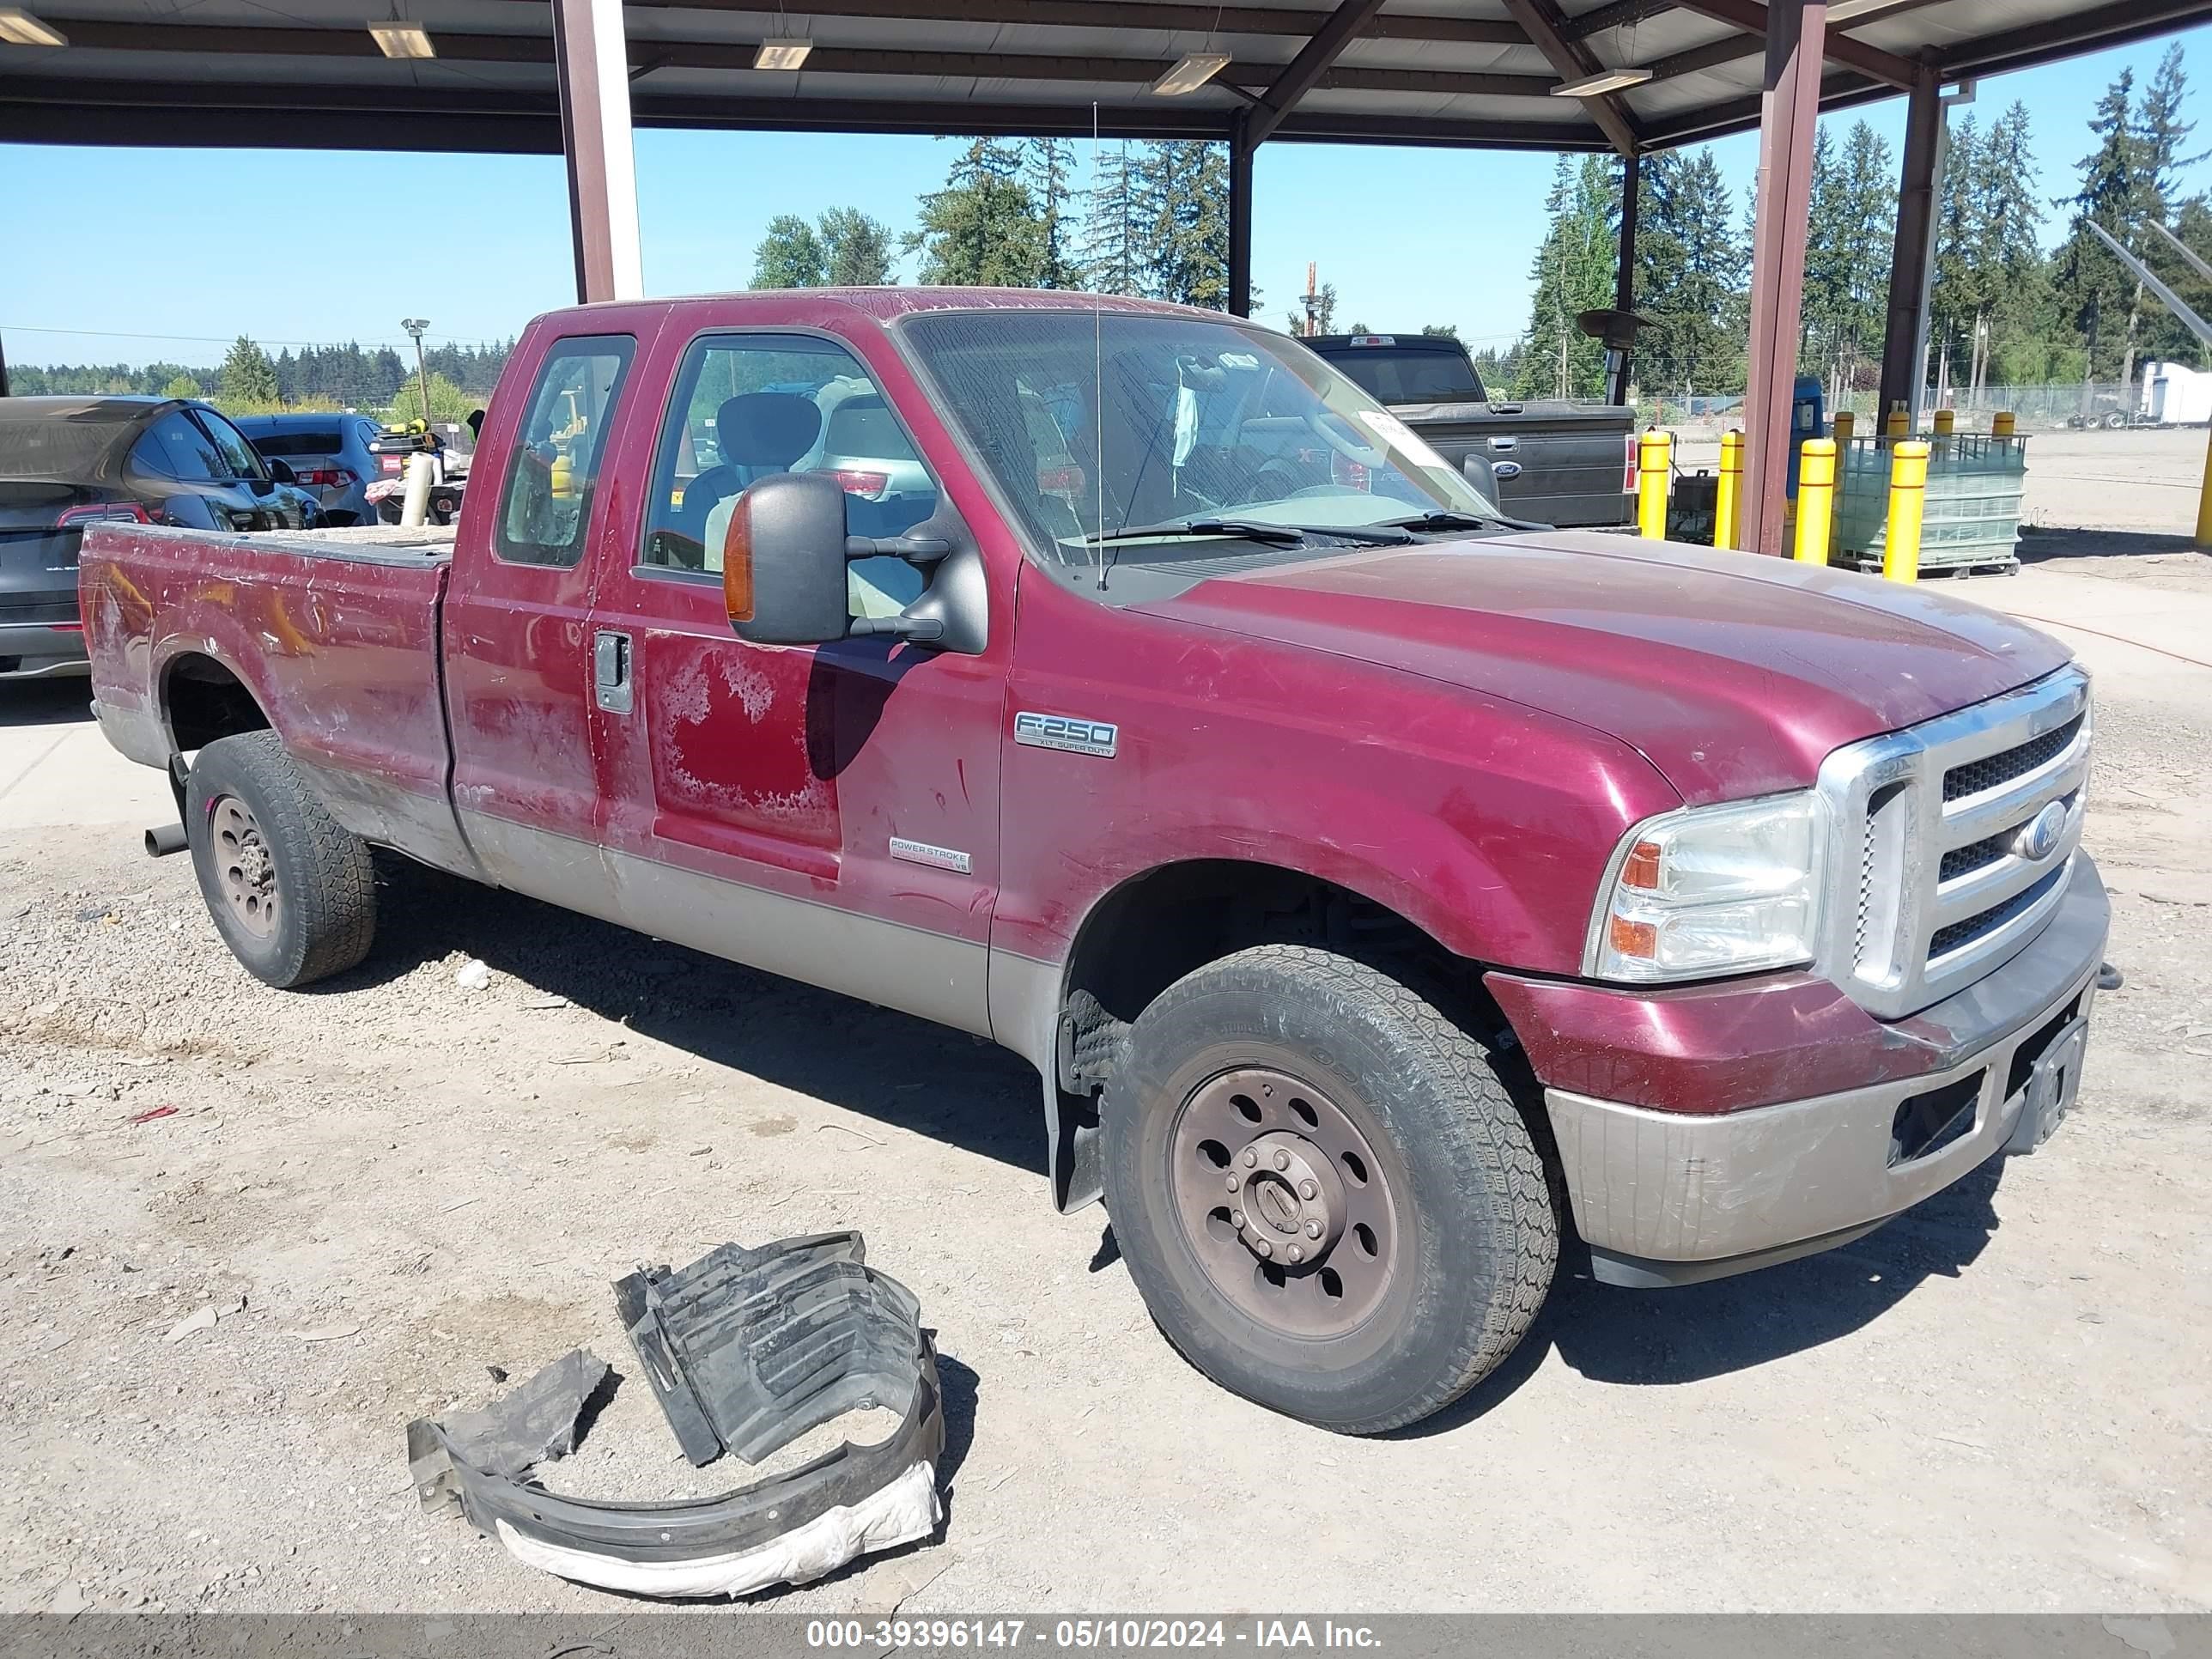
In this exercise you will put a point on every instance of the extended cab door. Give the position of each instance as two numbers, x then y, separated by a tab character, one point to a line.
825	812
518	650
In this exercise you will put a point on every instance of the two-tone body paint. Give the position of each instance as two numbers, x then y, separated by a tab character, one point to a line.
1460	732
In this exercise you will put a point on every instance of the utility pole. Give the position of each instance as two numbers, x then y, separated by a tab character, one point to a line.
415	325
1313	300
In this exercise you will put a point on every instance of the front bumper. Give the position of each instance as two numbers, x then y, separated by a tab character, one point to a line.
34	651
1666	1197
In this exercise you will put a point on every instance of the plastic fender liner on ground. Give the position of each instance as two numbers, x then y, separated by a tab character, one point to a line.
747	1348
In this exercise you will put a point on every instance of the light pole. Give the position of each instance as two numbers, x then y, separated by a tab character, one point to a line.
415	325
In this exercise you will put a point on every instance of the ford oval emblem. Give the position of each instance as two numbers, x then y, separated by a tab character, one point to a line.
2039	836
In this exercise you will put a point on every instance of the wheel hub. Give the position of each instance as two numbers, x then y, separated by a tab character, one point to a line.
1287	1204
243	866
1283	1200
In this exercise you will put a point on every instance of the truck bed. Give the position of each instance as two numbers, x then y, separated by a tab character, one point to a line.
334	634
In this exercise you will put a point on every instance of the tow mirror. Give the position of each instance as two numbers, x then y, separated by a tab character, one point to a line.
783	562
1478	472
784	577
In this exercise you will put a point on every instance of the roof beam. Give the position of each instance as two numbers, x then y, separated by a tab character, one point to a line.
1571	61
106	34
518	120
1094	15
2104	26
1304	72
1750	17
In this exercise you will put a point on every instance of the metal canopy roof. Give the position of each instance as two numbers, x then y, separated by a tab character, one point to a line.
1469	73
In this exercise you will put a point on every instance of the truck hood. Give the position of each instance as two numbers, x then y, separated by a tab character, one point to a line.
1735	675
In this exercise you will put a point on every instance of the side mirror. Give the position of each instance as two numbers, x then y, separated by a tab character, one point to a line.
1478	472
280	470
783	562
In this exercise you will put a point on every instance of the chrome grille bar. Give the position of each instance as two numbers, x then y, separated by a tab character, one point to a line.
1899	803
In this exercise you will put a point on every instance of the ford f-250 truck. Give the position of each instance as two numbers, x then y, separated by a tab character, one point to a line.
1388	895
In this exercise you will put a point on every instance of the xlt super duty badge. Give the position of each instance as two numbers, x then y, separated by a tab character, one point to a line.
1064	732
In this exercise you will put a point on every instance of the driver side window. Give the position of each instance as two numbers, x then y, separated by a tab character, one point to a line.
748	406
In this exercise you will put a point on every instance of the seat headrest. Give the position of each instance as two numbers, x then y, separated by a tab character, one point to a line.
766	429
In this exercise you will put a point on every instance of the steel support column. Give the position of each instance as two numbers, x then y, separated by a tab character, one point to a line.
1912	256
1624	273
1788	108
1240	216
590	56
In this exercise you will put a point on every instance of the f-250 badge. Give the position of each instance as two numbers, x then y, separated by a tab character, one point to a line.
1077	736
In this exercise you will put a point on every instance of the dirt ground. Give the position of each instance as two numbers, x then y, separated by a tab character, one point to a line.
2001	1400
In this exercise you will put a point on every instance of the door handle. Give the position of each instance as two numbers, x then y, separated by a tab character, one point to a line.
612	685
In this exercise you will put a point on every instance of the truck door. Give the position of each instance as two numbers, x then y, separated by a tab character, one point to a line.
825	812
518	650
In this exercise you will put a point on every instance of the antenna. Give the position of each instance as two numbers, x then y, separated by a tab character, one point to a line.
1098	388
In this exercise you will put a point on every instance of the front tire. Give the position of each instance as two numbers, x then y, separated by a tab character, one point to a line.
1328	1200
291	892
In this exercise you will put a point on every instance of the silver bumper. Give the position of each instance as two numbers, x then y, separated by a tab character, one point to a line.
33	651
1664	1198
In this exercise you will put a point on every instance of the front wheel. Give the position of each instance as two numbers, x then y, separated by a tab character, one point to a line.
291	892
1330	1200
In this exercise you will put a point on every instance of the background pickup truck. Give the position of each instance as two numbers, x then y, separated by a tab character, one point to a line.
1556	463
1388	896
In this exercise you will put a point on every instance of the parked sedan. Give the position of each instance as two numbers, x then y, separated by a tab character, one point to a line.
329	455
66	462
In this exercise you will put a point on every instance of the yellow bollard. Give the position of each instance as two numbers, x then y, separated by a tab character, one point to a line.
2001	424
2204	501
1908	492
1654	466
1727	489
1816	498
1946	419
1842	427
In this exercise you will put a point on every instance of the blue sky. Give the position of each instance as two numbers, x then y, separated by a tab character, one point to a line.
1407	236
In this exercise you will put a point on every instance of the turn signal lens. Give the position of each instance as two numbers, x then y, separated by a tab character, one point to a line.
1642	868
1638	940
738	563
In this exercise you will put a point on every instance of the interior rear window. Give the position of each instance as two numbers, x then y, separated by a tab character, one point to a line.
299	443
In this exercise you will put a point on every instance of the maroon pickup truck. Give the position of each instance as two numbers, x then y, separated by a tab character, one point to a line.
1391	896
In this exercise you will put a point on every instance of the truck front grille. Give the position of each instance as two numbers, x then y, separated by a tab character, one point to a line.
1977	776
1926	825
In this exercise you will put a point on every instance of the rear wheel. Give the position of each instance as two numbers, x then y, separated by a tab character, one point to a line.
290	891
1330	1200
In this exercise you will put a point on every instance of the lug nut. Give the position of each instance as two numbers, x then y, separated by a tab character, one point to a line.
1313	1229
1295	1253
1282	1159
1236	1219
1308	1189
1251	1158
1234	1183
1263	1247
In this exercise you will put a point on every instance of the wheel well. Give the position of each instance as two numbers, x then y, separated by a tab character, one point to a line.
203	701
1151	930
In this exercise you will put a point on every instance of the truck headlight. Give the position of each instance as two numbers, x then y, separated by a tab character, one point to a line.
1712	889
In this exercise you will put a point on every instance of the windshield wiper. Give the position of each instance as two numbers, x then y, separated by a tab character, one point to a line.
1254	529
1443	519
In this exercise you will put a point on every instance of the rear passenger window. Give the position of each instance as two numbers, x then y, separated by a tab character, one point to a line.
747	406
547	504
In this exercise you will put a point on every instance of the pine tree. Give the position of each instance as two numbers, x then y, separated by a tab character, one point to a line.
2161	136
789	255
1689	268
1182	189
1111	251
1573	272
982	228
1048	171
249	378
1847	246
2096	291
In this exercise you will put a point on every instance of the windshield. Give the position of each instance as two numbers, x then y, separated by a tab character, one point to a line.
1097	424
